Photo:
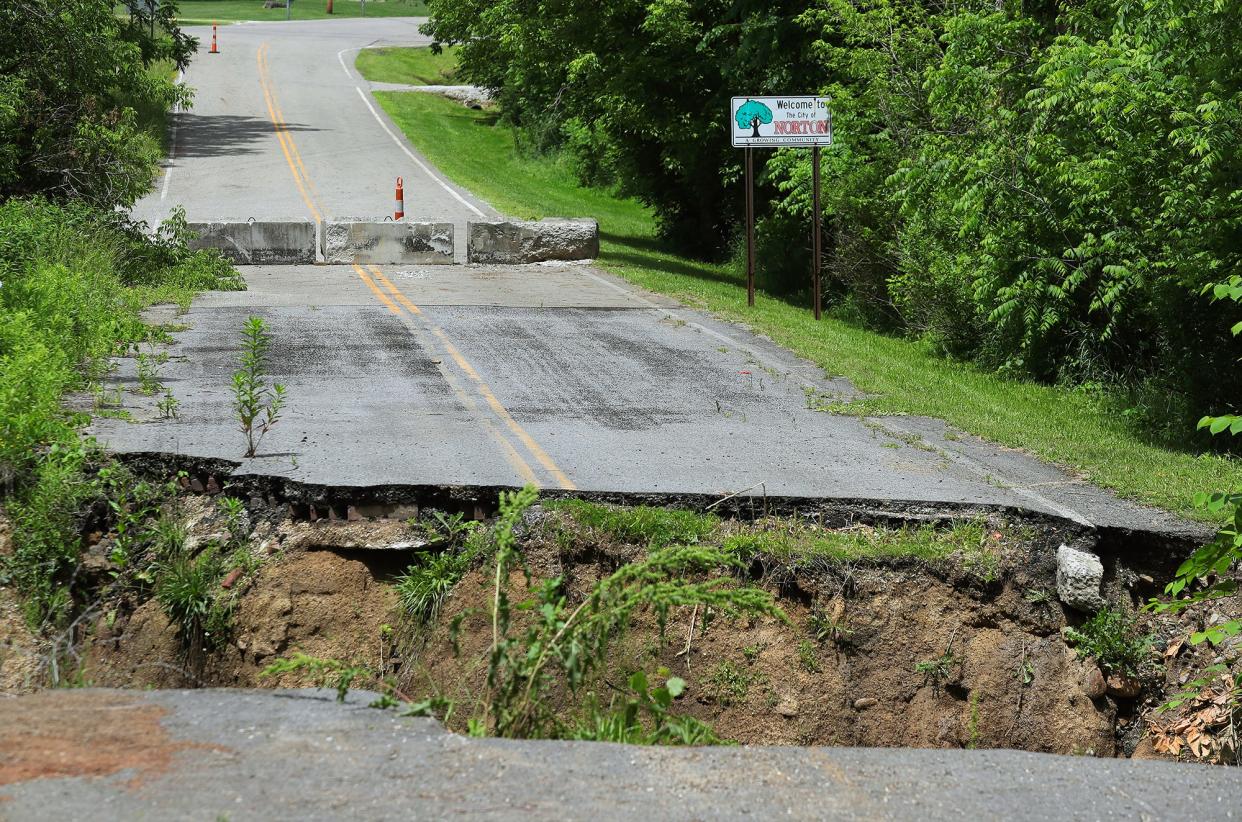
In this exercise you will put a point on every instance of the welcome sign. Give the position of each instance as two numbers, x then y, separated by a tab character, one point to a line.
781	121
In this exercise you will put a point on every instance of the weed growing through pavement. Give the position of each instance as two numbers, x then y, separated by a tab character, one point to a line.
148	374
168	405
256	403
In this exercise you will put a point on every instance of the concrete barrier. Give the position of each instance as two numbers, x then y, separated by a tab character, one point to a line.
400	242
283	242
532	242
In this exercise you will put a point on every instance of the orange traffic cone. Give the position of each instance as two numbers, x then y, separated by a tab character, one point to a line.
214	48
399	209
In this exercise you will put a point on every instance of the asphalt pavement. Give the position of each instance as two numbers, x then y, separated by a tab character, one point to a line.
466	375
283	127
298	755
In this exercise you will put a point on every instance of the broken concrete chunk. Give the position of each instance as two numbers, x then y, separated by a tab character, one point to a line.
1079	575
386	242
268	242
514	242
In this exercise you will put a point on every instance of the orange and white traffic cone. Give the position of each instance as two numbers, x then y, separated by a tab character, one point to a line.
399	208
214	48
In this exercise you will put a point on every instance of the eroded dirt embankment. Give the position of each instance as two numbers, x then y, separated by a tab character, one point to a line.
959	647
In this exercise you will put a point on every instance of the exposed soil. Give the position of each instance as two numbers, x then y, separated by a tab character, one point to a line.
326	587
322	603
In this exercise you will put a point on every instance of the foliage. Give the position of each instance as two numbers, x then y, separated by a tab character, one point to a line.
567	644
1112	639
73	78
808	657
729	683
1214	560
427	583
325	673
625	724
72	283
936	671
189	590
256	403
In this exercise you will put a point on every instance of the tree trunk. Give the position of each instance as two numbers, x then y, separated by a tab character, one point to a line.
754	124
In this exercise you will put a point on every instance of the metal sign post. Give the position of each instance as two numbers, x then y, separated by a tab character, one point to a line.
816	244
750	227
772	122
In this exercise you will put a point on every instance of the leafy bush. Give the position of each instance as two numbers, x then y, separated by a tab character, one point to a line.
74	79
1214	561
72	284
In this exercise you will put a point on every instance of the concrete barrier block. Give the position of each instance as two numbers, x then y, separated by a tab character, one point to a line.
271	242
387	242
514	242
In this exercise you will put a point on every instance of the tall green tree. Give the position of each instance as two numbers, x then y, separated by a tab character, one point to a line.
73	77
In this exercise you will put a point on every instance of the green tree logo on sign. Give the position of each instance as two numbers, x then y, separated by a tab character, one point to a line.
751	115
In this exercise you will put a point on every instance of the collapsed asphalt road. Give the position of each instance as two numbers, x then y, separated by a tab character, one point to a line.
557	375
237	755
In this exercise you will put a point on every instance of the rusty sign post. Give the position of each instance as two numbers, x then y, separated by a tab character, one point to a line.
803	121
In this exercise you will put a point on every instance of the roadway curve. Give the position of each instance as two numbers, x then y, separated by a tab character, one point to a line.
467	375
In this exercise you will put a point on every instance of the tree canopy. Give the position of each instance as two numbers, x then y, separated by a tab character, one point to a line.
75	81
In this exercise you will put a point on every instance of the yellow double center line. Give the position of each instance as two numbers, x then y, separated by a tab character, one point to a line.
283	135
400	305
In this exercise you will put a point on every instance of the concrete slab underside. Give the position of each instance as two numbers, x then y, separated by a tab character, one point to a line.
493	375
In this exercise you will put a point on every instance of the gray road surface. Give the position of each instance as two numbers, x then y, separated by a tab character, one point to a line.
461	375
298	755
282	127
559	375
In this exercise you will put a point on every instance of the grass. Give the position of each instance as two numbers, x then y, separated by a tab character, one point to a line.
902	377
412	66
783	539
641	525
206	12
780	539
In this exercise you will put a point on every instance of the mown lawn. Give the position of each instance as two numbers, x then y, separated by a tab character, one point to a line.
1065	427
412	66
206	12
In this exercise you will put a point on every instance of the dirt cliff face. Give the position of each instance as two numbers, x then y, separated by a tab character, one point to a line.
920	654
